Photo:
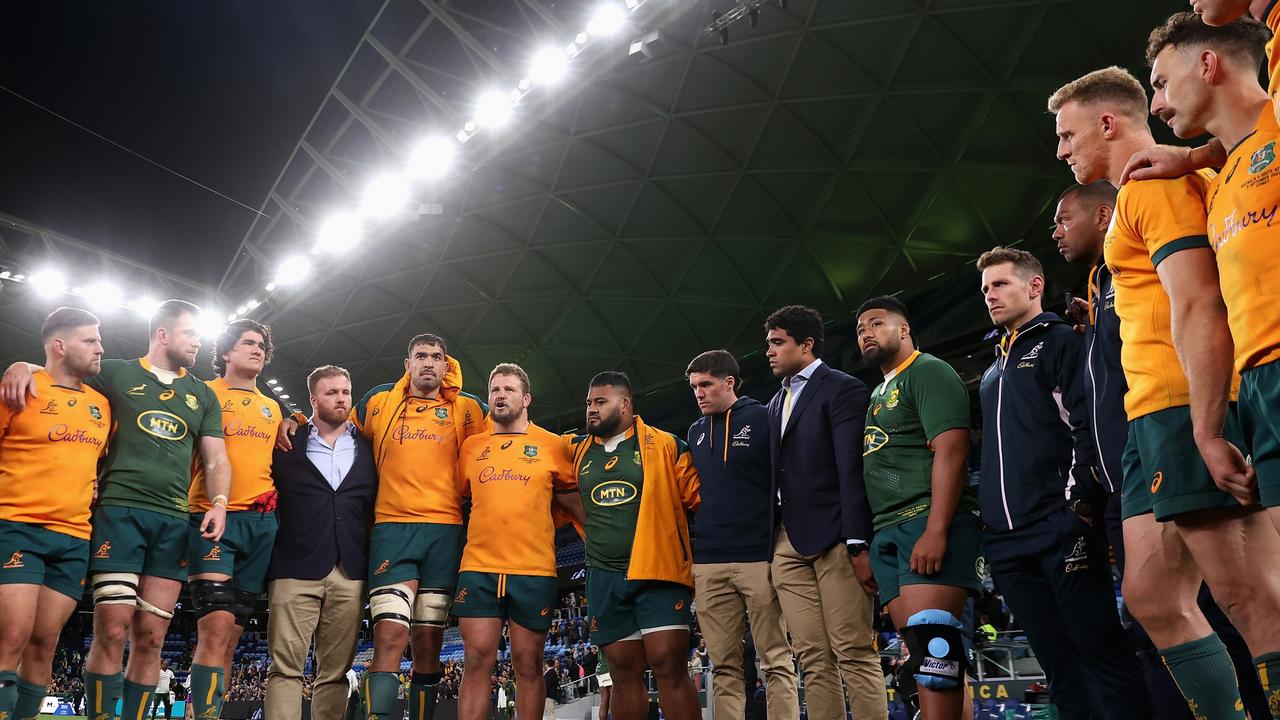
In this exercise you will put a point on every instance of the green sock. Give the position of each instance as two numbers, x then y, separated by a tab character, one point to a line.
206	691
380	691
8	693
30	698
137	699
423	690
101	693
1205	676
1269	673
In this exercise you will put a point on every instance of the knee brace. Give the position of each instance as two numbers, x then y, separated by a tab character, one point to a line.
431	607
244	607
391	603
115	589
936	641
208	596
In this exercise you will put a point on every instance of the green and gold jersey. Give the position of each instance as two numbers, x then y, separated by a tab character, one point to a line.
611	483
154	435
919	400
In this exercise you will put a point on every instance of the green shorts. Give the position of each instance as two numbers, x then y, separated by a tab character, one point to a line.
961	566
1163	471
244	552
426	552
1259	409
623	609
525	600
135	540
34	555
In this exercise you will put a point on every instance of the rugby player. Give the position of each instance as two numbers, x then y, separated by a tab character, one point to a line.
927	542
416	426
638	484
48	468
227	575
1168	161
1173	326
1206	81
513	475
139	541
1081	218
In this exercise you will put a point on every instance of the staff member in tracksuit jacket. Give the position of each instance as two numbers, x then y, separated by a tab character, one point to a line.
733	541
1080	224
1049	562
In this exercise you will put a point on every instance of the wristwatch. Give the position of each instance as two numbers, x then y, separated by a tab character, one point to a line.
856	549
1081	507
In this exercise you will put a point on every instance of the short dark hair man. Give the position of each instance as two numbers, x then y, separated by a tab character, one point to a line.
228	574
163	414
928	537
639	582
1037	495
49	455
820	567
732	539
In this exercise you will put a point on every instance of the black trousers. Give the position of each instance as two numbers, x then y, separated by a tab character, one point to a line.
161	699
1166	698
1056	577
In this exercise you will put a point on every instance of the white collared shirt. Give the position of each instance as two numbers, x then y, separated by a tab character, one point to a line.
792	387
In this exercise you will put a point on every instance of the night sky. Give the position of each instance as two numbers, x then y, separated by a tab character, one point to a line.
218	91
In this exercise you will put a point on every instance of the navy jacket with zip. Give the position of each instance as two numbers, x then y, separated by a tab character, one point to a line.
731	452
1104	383
1036	449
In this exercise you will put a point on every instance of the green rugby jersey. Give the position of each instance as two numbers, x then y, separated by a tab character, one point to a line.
149	458
919	400
611	483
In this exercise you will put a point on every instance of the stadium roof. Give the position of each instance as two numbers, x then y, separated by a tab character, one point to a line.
662	202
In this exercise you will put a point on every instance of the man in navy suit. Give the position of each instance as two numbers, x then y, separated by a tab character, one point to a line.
820	566
327	482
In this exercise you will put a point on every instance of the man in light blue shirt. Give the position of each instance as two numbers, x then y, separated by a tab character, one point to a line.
332	449
327	483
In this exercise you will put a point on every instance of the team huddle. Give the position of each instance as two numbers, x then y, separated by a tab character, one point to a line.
128	478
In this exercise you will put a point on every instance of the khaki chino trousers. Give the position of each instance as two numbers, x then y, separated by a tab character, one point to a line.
328	610
727	595
829	618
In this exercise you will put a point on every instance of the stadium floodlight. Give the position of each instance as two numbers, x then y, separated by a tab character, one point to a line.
432	158
284	396
549	66
385	196
272	381
48	282
103	295
143	306
607	19
339	233
292	270
210	323
493	109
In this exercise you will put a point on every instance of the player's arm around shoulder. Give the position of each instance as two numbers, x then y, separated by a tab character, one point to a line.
686	477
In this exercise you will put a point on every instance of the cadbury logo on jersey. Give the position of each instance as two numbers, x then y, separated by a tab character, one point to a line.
489	474
62	433
166	426
236	429
614	492
403	433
